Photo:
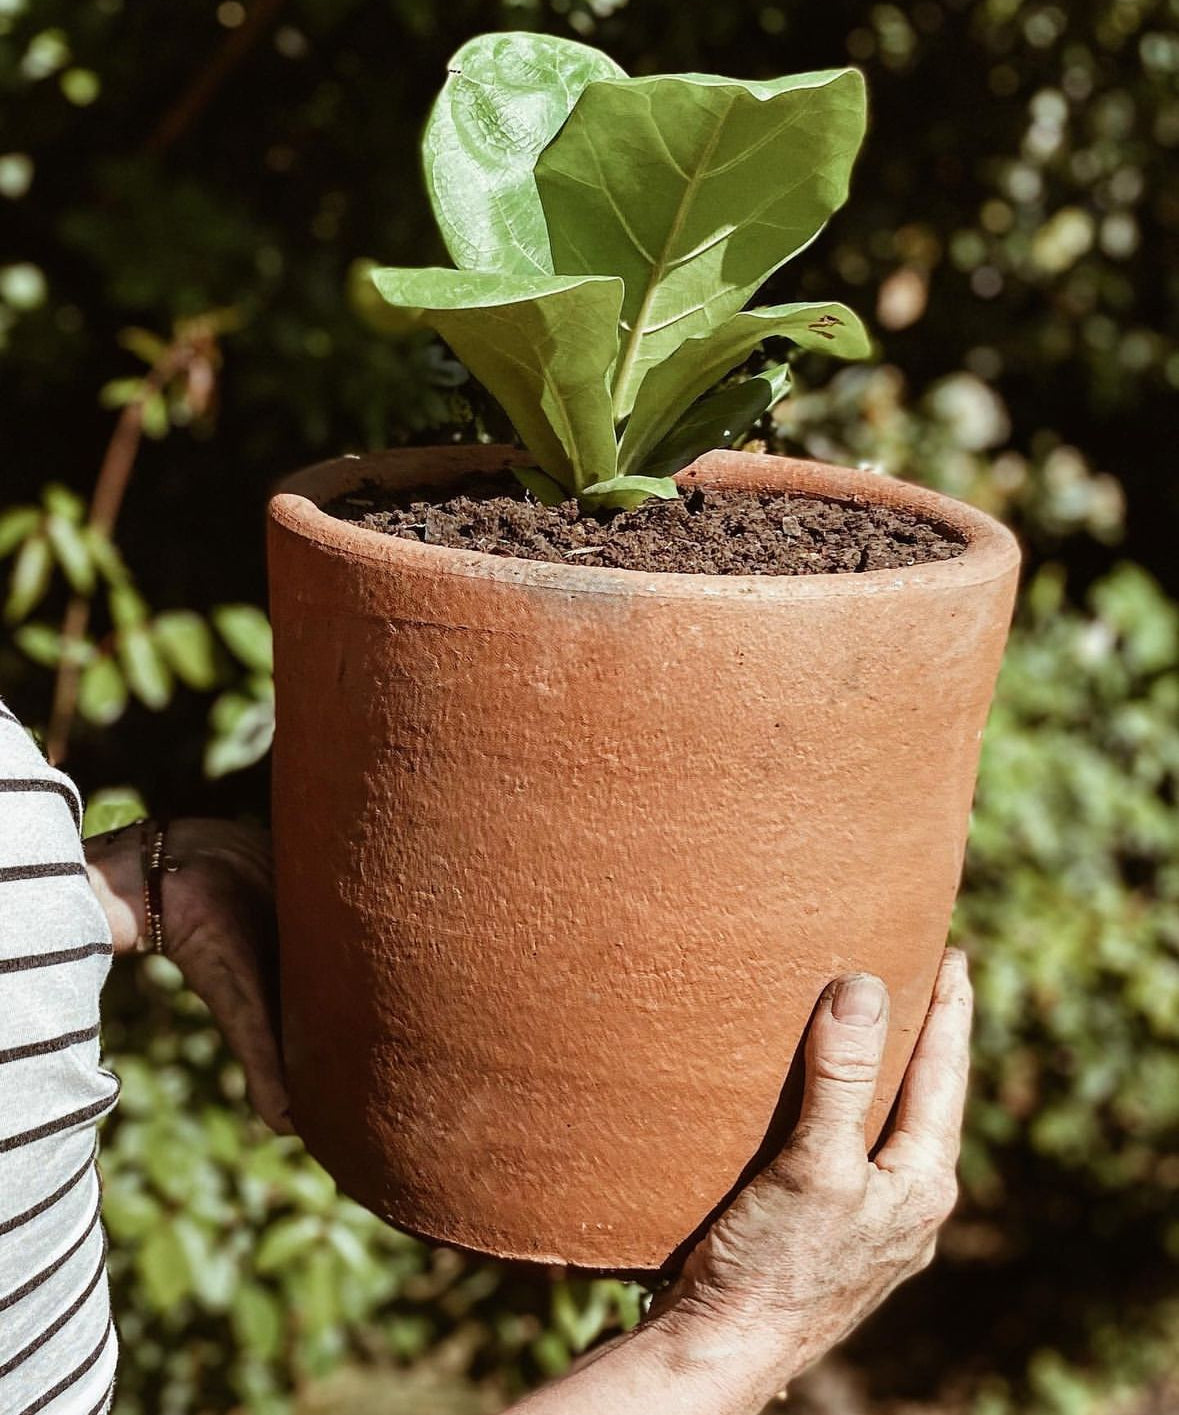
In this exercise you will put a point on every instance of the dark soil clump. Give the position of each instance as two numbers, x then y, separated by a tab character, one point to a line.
706	532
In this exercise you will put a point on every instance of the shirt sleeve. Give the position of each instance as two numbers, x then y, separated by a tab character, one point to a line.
57	1340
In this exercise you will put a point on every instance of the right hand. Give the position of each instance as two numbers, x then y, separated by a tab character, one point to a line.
820	1238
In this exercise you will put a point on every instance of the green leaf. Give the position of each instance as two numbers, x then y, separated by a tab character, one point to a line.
120	391
188	647
257	1321
694	189
40	642
144	344
505	97
155	417
246	629
242	731
105	556
112	808
72	552
718	420
128	607
16	525
368	304
164	1269
31	575
128	1210
625	493
146	672
102	692
59	500
544	346
541	485
671	388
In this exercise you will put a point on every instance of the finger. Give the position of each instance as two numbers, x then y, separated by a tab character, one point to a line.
843	1051
928	1127
235	996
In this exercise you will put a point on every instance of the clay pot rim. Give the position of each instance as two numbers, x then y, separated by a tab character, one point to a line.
990	551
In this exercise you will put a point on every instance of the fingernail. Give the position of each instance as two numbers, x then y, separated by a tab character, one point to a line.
858	1001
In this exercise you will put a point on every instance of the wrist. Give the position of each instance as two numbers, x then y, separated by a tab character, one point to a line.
114	863
748	1362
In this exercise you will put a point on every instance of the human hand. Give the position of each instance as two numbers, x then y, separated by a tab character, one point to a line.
219	930
824	1234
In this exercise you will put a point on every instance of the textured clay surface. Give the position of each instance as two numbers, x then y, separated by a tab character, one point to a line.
706	532
565	856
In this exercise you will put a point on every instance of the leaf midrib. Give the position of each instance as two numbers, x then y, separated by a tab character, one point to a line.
637	330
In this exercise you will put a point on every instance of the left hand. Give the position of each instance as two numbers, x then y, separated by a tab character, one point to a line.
219	930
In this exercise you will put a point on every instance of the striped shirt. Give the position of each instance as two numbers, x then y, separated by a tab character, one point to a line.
57	1342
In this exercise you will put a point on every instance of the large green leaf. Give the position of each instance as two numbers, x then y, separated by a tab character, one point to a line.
544	346
505	97
694	189
718	420
671	388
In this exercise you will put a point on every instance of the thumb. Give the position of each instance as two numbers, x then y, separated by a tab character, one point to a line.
843	1050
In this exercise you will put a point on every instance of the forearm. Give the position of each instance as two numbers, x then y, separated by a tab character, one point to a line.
667	1368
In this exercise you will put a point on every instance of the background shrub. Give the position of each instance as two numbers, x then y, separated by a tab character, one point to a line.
186	190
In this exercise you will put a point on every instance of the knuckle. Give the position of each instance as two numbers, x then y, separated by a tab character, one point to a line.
840	1187
808	1170
846	1066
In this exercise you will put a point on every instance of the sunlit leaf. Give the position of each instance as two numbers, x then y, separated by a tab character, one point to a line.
188	646
670	389
146	672
16	525
246	630
505	97
72	553
544	345
102	692
32	572
694	190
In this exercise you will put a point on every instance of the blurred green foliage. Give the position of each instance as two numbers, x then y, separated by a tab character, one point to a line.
188	191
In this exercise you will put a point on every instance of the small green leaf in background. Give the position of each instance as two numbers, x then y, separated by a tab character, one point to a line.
257	1321
61	501
286	1240
378	314
505	97
72	552
544	345
695	190
40	642
105	556
102	691
246	630
16	525
147	674
188	646
163	1266
154	414
128	607
241	730
111	809
32	572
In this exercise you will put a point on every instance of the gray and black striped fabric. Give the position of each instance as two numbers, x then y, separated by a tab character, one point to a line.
57	1342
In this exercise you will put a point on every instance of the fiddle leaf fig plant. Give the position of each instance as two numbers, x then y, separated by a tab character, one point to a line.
608	233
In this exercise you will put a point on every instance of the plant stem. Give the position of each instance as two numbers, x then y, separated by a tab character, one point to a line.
114	477
203	88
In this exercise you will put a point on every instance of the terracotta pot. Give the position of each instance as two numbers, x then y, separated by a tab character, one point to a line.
566	855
